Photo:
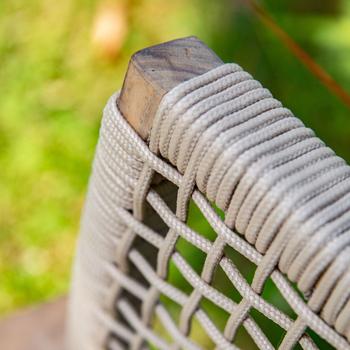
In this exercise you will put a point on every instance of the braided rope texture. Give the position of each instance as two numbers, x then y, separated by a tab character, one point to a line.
218	138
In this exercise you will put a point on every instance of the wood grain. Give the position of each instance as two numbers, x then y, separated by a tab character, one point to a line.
153	71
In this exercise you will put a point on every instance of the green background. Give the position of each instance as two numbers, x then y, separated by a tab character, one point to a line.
54	82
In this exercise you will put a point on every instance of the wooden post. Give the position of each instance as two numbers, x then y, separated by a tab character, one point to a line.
152	72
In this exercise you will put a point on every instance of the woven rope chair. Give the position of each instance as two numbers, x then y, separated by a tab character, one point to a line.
277	201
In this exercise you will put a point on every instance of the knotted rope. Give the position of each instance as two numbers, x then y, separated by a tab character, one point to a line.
279	186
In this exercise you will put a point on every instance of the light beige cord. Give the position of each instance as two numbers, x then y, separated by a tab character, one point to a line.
284	192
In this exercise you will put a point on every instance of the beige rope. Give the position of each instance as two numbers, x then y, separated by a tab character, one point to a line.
280	187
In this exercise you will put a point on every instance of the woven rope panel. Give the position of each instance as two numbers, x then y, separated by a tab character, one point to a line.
229	229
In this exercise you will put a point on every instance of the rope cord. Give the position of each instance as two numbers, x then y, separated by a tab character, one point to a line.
282	190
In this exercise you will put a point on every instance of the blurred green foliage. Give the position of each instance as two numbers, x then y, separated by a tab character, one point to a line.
54	85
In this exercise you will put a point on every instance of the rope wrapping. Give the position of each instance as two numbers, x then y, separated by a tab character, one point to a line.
221	138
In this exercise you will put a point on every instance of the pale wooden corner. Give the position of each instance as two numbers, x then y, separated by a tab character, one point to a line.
155	70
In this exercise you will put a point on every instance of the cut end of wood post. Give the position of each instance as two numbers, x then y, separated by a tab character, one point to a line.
154	71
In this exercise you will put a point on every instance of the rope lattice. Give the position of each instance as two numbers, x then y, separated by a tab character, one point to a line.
219	138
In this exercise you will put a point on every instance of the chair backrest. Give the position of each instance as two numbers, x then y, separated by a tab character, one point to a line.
214	217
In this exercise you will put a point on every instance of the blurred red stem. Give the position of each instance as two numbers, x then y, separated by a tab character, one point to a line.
301	54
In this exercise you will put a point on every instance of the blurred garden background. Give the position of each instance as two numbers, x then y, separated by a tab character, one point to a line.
60	61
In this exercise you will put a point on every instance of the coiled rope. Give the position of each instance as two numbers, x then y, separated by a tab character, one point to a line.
279	186
277	183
